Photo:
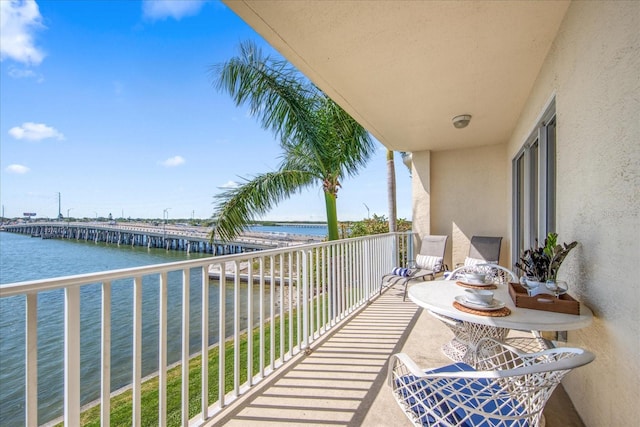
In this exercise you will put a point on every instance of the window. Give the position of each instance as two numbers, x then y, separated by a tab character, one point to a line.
534	185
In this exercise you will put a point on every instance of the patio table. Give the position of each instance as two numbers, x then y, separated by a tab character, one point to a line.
438	296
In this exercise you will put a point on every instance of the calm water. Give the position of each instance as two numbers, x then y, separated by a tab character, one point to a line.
312	230
25	258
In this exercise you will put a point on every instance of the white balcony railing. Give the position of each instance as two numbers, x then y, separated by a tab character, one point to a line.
319	285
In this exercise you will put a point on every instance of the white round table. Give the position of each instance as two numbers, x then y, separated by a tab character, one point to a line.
438	296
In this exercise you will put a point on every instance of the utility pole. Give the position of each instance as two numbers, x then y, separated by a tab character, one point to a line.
59	206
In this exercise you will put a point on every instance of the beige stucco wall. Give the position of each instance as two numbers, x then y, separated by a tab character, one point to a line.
593	69
468	197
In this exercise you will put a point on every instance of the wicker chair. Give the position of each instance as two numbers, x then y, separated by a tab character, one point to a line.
465	333
496	274
427	264
508	387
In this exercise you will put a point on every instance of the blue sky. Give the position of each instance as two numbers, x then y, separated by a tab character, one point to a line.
111	104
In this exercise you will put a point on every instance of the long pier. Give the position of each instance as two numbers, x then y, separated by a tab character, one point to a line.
166	236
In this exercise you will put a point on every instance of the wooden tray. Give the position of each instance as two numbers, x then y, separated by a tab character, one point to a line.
563	304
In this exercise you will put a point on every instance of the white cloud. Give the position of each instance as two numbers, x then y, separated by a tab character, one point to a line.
162	9
19	19
17	169
230	184
35	132
20	73
173	161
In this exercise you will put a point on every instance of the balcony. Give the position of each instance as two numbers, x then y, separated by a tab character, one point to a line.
317	354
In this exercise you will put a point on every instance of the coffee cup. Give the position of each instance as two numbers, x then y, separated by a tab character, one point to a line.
481	296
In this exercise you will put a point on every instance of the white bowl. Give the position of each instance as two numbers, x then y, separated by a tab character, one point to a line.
475	277
481	296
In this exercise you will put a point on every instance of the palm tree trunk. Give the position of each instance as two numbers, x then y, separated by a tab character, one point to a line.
391	191
332	215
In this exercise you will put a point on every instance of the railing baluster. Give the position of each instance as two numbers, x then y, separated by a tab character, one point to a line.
137	352
325	286
236	329
299	300
204	360
291	302
281	258
261	317
222	336
105	373
72	356
250	323
310	299
162	352
31	370
305	300
186	284
362	269
336	278
319	293
272	313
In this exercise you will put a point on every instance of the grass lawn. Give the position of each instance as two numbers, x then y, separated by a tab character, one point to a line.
121	405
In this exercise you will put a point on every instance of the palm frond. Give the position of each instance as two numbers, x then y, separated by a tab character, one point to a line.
350	139
276	93
238	206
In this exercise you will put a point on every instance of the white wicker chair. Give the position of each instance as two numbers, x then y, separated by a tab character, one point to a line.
466	333
509	388
496	274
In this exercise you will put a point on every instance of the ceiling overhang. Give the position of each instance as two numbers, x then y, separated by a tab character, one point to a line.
404	69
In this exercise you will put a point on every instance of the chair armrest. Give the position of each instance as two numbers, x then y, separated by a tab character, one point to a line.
506	360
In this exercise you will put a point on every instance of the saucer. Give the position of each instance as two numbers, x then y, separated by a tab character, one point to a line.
474	282
495	304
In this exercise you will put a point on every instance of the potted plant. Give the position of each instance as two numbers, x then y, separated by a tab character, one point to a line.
541	263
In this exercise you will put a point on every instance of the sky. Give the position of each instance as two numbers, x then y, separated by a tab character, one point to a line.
109	107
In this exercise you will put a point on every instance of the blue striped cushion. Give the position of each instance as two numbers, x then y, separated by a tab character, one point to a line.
401	271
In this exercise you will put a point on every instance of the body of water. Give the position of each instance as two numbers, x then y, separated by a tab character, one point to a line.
310	230
24	258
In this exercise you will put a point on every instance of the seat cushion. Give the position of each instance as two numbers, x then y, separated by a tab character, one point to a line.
428	262
425	401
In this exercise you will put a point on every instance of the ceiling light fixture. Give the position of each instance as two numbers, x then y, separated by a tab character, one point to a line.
461	121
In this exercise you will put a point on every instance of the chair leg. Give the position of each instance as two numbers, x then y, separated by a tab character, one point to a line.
391	282
404	297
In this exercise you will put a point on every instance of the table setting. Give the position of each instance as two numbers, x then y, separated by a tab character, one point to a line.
478	297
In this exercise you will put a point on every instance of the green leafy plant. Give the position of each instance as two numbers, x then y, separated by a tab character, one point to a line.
541	263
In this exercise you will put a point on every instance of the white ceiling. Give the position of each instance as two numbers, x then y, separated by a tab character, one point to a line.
404	69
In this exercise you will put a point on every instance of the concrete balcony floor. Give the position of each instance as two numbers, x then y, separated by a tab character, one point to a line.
342	382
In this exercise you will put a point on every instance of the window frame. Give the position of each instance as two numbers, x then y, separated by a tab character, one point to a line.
534	171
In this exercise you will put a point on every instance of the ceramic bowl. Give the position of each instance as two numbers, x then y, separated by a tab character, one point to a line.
481	296
475	277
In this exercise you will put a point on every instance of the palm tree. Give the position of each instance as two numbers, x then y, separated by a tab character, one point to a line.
321	143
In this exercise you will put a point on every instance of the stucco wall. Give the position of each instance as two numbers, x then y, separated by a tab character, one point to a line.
593	69
467	189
